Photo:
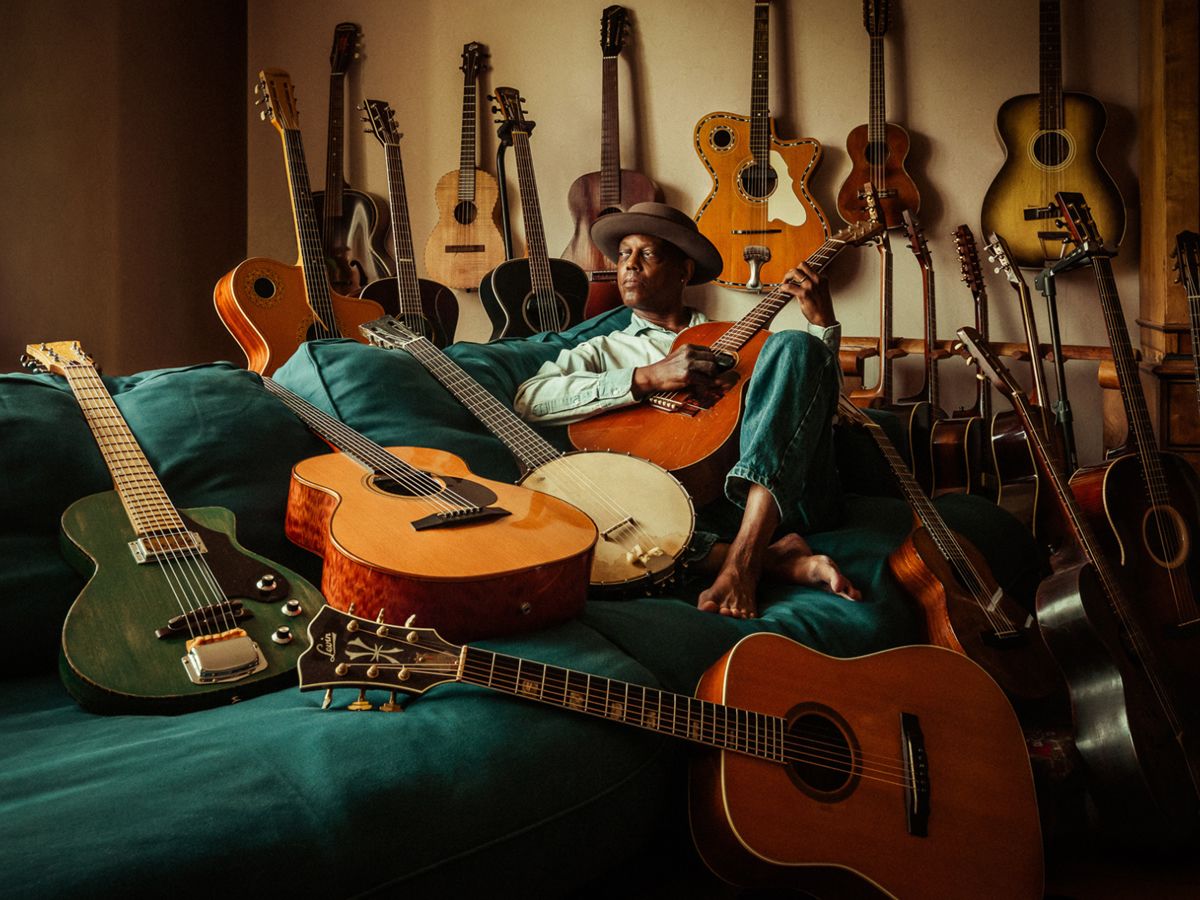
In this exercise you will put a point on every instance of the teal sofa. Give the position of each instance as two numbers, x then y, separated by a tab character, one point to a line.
466	789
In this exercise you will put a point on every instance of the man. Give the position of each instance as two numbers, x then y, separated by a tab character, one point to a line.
785	478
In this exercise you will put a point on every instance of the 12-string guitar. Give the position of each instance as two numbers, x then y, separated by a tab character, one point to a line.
408	530
760	213
426	307
643	515
176	615
269	307
902	773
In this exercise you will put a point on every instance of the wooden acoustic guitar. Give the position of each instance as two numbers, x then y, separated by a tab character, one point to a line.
1187	264
466	242
269	307
425	306
523	297
877	150
643	515
176	615
697	441
353	224
903	773
408	530
1135	724
760	212
612	189
1050	144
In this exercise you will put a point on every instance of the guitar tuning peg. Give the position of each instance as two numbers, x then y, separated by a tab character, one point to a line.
262	115
327	699
362	703
391	705
980	376
409	621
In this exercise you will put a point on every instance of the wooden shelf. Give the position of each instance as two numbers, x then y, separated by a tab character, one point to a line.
856	350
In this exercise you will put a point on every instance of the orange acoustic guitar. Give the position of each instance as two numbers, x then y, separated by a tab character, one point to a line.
269	307
697	443
903	773
406	531
760	213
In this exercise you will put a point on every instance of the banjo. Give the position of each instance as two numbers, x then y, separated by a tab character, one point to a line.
644	516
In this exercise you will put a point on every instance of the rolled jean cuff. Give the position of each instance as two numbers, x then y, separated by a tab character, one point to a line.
737	486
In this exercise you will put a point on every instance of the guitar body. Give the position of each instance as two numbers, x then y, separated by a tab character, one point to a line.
439	308
508	298
586	205
697	449
111	660
1019	485
916	426
466	243
960	466
603	293
1037	164
896	190
816	829
483	578
774	210
359	243
265	306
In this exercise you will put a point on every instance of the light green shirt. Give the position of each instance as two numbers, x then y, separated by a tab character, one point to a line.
598	374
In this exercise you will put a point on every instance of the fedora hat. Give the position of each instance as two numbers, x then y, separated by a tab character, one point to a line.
663	222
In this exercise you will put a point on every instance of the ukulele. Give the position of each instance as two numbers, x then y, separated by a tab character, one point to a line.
759	225
1050	141
1187	263
697	440
269	307
523	297
353	225
612	189
1134	727
464	245
877	150
425	306
408	530
965	610
904	771
642	513
176	615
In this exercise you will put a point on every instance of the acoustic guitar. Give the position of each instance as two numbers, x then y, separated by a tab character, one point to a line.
903	772
1135	724
407	530
1187	264
425	306
523	297
269	307
612	189
643	515
1050	144
466	242
697	440
877	150
760	212
176	615
353	224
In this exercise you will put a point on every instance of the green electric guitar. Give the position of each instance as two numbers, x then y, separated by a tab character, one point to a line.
176	615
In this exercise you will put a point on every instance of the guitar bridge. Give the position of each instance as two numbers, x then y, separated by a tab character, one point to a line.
916	776
686	406
157	547
459	517
756	255
228	656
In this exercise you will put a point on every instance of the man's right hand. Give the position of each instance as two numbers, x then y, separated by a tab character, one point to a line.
690	366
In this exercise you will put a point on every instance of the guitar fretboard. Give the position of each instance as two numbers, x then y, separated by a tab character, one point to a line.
332	208
467	144
610	136
886	369
535	236
1050	112
308	234
409	288
760	114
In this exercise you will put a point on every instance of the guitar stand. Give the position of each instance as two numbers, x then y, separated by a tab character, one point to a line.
1062	408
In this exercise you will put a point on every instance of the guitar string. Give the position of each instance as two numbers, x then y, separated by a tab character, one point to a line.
333	166
408	286
466	158
548	306
312	250
877	127
759	111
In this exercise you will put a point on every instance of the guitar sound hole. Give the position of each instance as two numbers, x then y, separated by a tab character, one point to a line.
1051	148
824	756
417	486
721	138
876	153
264	288
1166	536
551	315
609	211
758	181
465	212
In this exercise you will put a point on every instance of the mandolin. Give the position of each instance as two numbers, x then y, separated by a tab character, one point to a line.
697	441
642	513
523	297
269	307
425	306
353	225
176	615
877	150
1050	144
407	530
1135	725
612	189
760	213
903	772
1187	263
466	242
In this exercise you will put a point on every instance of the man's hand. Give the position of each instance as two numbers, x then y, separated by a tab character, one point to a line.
812	293
690	366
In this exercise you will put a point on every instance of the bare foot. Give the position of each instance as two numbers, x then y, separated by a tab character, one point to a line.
731	594
790	559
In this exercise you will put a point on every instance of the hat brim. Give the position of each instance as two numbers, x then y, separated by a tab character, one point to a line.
609	230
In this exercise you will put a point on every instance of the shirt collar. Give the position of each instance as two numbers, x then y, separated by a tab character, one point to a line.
637	325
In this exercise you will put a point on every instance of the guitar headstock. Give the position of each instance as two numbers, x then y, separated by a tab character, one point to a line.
278	99
847	410
55	357
968	260
1001	258
512	114
346	41
388	332
614	26
1077	219
474	60
916	240
350	651
989	363
875	17
1187	262
858	232
381	121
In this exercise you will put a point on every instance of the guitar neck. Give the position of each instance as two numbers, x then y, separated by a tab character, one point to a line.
334	181
1050	106
1194	321
760	115
885	388
983	387
531	211
409	288
467	154
931	391
1040	394
610	137
877	107
308	236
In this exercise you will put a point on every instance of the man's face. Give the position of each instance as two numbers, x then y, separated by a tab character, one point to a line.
651	273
